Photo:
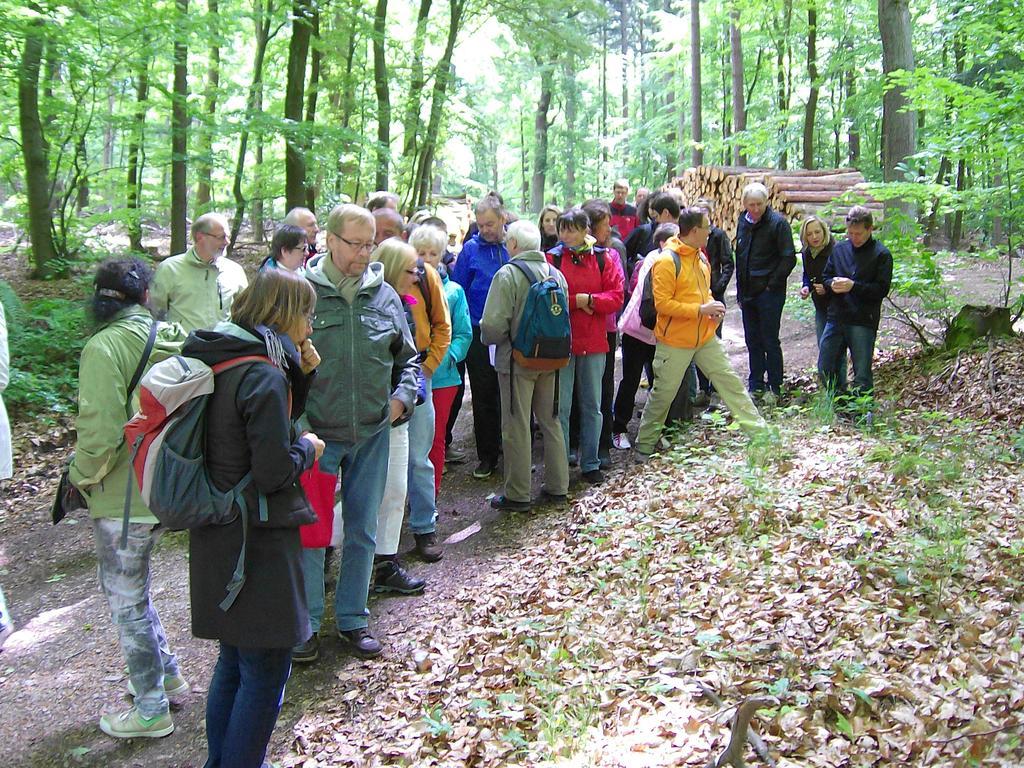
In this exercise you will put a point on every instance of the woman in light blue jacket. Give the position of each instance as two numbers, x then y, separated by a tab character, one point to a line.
430	243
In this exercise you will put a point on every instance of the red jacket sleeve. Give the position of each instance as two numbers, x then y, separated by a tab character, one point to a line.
609	300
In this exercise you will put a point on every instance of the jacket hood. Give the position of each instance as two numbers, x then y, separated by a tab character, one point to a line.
373	277
227	341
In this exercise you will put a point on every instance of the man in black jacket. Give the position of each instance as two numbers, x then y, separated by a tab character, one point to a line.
765	255
857	275
663	208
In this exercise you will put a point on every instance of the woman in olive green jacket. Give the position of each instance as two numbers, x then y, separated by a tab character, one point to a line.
100	471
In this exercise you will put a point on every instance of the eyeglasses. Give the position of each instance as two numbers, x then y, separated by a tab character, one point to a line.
354	244
223	238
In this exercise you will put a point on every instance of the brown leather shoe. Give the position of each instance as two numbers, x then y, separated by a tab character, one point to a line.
428	548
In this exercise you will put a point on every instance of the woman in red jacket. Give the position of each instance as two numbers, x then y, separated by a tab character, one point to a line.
595	291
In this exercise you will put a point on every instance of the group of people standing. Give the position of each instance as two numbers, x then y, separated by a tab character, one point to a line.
358	345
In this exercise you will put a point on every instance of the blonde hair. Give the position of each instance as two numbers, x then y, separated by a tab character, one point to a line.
345	213
276	298
397	256
812	219
754	189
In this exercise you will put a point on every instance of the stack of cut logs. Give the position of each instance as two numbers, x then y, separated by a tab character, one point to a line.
794	194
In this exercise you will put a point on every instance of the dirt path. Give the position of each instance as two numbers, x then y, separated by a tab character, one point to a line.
63	668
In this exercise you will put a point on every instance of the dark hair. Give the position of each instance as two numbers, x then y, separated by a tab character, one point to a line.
664	232
573	218
860	215
436	221
663	201
119	284
690	219
288	236
597	211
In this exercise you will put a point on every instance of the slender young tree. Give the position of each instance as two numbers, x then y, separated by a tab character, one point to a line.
133	200
179	131
298	51
812	75
739	110
382	89
204	164
696	119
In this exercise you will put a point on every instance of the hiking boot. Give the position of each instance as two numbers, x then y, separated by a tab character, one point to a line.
546	497
174	685
307	652
701	400
641	458
361	642
605	460
621	441
504	502
574	459
454	456
428	548
484	470
594	476
132	725
390	576
715	402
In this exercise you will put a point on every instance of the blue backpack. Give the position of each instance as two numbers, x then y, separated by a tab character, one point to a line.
543	341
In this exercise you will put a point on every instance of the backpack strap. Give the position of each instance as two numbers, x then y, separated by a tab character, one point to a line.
532	279
136	378
424	286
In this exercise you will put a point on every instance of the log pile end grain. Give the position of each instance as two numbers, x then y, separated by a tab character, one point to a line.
826	192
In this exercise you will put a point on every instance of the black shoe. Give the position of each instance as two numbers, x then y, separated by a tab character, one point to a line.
454	456
553	498
362	642
484	470
594	476
307	652
504	502
390	576
428	548
606	460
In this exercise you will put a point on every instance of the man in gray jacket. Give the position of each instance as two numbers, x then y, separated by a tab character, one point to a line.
366	381
523	389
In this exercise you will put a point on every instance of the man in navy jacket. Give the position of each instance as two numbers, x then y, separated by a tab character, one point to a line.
857	275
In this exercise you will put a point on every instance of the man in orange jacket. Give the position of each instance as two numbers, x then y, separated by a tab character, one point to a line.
688	316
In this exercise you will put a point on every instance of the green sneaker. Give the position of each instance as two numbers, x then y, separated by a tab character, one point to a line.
174	685
131	725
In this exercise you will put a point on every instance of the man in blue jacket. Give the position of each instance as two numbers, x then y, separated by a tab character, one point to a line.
857	276
481	257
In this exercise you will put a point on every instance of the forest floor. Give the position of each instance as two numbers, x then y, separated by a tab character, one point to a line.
811	569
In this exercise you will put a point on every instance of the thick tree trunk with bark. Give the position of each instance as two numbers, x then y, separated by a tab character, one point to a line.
382	89
899	124
624	49
298	51
540	139
35	152
696	128
411	122
739	110
312	95
179	132
204	166
571	108
134	184
812	74
853	133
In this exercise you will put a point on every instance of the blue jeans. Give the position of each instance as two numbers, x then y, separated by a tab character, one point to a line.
242	707
762	317
364	472
422	504
584	374
820	318
835	340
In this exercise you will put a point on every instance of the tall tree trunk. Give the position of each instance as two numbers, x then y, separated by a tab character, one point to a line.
812	75
782	71
298	51
411	122
380	82
108	130
853	134
204	166
897	55
604	100
443	75
696	128
135	154
569	88
262	19
35	151
522	161
959	54
313	93
179	132
624	49
82	162
347	97
739	111
540	139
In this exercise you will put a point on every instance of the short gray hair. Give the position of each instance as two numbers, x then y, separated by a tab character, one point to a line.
525	233
754	189
298	216
203	223
429	236
346	213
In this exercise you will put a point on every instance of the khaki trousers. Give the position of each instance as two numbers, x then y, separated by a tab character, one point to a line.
532	391
670	364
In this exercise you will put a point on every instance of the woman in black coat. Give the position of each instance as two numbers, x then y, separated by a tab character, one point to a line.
250	428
